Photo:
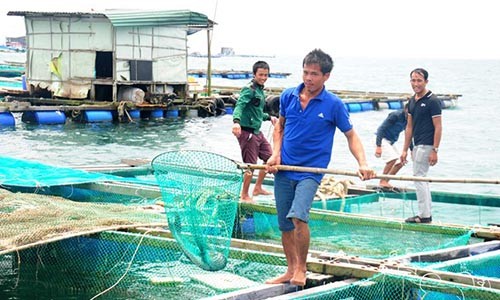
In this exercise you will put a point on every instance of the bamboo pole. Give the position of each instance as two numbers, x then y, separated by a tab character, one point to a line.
356	174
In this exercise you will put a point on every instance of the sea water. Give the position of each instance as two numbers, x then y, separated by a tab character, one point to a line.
469	146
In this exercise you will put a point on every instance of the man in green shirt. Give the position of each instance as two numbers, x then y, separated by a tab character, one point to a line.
248	116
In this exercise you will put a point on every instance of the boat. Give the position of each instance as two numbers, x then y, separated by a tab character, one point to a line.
367	256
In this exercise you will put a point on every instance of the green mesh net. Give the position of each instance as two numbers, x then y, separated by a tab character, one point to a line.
122	265
485	265
54	248
200	191
401	287
28	219
354	234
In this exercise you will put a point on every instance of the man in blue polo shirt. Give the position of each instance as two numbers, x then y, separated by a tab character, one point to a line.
425	128
303	136
387	135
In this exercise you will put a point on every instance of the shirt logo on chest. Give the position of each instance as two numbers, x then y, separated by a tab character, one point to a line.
321	115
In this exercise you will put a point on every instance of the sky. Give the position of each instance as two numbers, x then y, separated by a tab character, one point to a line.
454	29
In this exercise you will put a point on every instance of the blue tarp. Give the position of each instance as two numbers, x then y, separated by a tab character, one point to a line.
25	173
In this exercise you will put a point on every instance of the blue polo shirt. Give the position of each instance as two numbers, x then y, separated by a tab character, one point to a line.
391	127
308	135
422	112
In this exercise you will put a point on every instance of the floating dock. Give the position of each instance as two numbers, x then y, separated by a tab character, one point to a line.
233	74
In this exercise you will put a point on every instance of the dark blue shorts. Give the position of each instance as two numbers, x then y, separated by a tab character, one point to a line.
293	199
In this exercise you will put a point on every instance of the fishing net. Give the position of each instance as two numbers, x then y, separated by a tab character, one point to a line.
55	248
354	234
392	287
200	191
123	266
485	265
28	219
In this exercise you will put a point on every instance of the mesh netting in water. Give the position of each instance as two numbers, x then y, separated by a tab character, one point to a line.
486	265
125	266
355	234
200	191
397	287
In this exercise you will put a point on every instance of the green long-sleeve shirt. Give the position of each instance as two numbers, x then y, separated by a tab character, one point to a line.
249	109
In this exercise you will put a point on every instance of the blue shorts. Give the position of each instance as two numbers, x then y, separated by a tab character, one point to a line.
293	199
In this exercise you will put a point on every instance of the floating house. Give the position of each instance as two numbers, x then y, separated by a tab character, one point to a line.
109	57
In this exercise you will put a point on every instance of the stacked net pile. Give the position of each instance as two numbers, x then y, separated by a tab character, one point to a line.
397	287
28	219
200	191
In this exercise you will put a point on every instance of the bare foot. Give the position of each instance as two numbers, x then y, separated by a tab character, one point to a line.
261	192
385	184
299	279
247	199
280	279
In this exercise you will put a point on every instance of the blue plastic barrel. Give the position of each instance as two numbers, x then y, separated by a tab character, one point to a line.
172	113
135	114
94	116
248	226
157	113
229	110
7	119
25	86
354	107
44	117
366	106
395	105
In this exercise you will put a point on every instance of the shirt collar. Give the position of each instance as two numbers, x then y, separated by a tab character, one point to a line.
301	86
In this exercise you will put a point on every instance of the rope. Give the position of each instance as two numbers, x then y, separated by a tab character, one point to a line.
128	267
122	110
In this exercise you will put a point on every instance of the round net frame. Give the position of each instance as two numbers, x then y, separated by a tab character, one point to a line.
200	191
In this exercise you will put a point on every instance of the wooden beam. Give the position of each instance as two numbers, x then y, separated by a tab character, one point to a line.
447	254
351	270
306	293
264	291
122	188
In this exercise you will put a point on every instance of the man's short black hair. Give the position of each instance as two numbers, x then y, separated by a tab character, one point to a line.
317	56
259	65
421	71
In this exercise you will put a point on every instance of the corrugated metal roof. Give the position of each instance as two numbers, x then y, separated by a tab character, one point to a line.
194	20
155	18
53	13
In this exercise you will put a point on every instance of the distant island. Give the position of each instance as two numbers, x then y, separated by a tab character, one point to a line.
228	52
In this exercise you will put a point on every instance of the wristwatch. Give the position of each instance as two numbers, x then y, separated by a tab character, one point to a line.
435	149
